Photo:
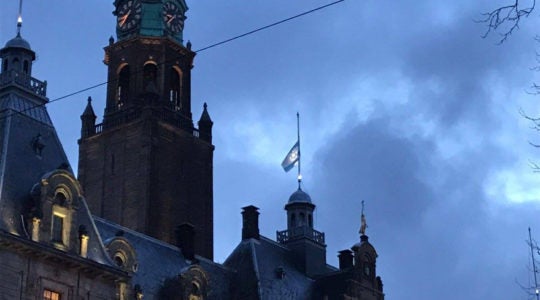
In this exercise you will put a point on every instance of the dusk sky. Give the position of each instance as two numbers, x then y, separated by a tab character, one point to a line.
403	104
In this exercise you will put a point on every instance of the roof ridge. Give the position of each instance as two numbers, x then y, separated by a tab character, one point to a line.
267	239
136	233
256	266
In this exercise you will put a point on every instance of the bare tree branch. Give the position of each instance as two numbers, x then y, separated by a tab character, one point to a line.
510	15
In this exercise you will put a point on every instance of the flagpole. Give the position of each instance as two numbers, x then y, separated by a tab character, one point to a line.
299	154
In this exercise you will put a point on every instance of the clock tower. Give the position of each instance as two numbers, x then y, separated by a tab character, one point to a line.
147	166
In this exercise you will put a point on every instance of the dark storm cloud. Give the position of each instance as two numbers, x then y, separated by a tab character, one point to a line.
438	234
428	216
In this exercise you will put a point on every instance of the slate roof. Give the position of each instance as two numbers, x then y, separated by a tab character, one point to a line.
266	270
21	163
21	105
158	261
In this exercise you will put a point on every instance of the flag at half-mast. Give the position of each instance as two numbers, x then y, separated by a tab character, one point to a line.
292	157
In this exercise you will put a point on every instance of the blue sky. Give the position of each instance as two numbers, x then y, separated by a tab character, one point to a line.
403	105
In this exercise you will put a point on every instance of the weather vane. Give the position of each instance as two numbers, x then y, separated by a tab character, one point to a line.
363	225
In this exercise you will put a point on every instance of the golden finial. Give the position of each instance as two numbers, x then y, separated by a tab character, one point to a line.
363	225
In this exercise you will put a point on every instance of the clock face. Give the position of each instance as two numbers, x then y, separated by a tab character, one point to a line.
172	17
129	14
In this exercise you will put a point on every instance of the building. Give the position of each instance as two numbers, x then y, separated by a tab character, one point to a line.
49	244
138	221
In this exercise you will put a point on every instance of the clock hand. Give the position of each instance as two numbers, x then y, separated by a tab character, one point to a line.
124	18
171	18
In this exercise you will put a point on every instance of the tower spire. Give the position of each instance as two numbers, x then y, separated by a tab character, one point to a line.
19	18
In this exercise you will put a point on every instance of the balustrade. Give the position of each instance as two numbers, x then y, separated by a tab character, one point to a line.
24	81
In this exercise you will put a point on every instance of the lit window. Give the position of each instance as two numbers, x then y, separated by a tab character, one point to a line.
57	229
50	295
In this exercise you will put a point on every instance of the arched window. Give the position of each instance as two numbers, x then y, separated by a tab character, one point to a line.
60	198
25	67
293	220
310	220
174	88
302	220
123	86
149	77
119	259
16	64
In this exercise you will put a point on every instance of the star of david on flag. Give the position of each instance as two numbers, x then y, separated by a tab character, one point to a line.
292	157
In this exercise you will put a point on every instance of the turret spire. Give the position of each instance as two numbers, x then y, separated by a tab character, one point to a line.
19	18
299	157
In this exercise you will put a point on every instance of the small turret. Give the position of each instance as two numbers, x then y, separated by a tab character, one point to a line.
306	243
88	119
16	70
205	125
365	257
17	56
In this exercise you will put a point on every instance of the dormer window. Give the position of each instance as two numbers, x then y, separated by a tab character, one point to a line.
61	219
122	254
57	235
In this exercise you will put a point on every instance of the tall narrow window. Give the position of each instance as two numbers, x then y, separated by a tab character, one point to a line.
293	220
310	220
16	64
174	89
5	62
57	229
25	67
149	76
123	86
302	220
51	295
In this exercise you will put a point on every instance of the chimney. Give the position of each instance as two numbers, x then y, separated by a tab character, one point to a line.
185	240
345	259
250	222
